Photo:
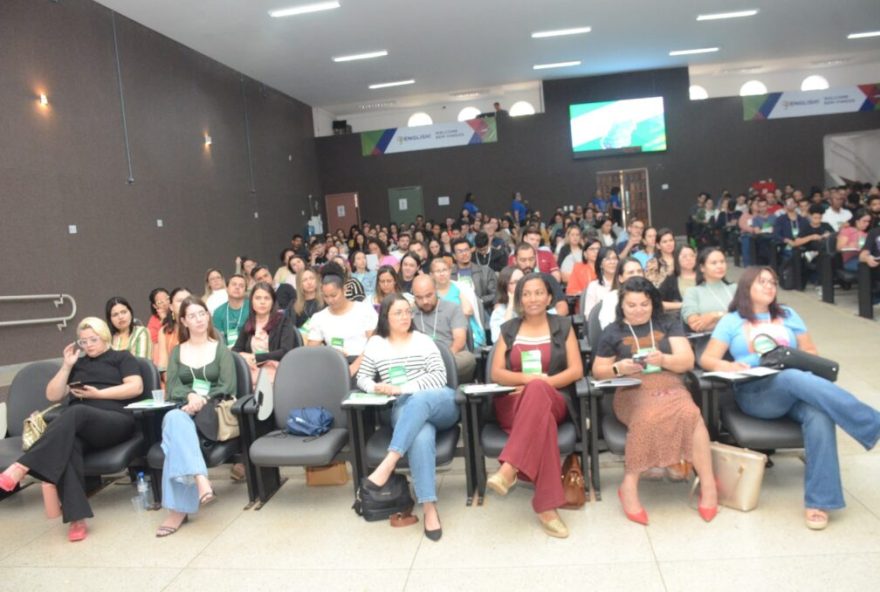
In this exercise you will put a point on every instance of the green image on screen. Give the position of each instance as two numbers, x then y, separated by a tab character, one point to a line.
632	125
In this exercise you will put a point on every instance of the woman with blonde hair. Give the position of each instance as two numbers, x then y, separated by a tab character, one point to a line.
308	297
97	386
215	289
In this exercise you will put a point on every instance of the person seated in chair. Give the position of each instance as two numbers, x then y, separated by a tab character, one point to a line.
411	370
445	323
757	323
626	268
268	334
96	388
230	317
664	425
200	368
538	354
704	304
127	334
343	325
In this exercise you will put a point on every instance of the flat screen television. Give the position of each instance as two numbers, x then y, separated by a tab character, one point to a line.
617	127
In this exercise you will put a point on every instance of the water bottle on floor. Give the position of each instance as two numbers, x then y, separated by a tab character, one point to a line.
145	491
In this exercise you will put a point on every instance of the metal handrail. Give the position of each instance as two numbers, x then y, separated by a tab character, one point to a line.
58	300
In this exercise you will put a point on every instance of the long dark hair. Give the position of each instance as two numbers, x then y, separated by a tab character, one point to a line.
742	299
275	316
676	268
504	283
108	308
640	285
170	321
600	258
383	328
388	269
701	261
153	294
182	331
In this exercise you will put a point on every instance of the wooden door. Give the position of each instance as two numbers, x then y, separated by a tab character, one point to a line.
634	193
342	211
404	204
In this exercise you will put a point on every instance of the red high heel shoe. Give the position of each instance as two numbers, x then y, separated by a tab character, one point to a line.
10	478
707	513
640	517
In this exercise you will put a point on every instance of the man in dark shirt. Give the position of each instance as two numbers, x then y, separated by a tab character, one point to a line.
525	259
479	277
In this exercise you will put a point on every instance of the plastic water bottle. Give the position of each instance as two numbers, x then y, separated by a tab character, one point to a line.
145	491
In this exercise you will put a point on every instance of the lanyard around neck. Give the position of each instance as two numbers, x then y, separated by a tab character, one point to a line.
650	328
436	316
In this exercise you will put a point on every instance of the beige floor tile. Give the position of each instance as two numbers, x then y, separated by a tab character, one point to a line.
861	481
91	579
23	520
622	577
323	579
821	573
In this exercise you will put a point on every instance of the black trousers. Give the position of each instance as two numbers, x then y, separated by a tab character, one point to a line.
57	457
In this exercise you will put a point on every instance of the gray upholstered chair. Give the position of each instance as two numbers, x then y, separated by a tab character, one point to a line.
306	377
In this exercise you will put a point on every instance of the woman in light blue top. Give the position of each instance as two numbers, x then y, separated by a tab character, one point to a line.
360	272
756	324
707	302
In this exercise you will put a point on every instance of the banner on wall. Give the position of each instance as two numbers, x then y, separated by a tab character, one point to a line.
846	99
428	137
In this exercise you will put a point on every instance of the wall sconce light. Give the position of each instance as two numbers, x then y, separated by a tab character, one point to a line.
44	100
208	141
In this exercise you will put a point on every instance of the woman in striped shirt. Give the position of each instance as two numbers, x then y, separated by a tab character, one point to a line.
409	368
127	334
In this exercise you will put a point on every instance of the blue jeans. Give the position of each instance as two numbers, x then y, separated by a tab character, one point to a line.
183	461
416	419
817	404
745	242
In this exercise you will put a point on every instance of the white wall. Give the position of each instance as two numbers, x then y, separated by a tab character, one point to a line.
728	85
853	156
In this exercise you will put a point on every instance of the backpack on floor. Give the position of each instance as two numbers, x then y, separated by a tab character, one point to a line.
381	504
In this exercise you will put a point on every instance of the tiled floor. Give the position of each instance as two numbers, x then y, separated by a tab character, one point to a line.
308	538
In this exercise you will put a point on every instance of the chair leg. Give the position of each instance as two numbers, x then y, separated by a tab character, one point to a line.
468	453
269	481
594	448
866	307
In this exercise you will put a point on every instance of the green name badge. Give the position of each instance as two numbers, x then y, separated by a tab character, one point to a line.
531	362
397	375
201	387
337	342
650	368
231	337
861	242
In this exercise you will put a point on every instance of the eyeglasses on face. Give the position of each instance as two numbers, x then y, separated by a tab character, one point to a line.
88	341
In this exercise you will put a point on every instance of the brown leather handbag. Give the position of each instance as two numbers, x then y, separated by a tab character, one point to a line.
573	482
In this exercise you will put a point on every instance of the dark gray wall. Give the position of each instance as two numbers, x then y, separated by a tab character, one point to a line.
66	165
710	148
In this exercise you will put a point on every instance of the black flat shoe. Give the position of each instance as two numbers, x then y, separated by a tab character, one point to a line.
434	535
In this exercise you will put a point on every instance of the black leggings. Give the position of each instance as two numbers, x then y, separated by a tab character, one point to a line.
57	457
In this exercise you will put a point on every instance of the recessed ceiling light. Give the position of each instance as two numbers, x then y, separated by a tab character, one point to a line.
681	52
556	65
833	62
863	35
561	32
377	105
726	15
361	56
390	84
304	9
467	94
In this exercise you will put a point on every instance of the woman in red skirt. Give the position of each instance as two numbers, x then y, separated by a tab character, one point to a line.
538	354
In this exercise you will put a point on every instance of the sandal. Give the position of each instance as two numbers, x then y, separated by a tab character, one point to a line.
164	531
237	474
816	519
207	498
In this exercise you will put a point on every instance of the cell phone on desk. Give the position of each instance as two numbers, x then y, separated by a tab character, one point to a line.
640	359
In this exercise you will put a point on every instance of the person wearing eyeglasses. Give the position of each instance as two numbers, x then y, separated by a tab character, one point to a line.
755	324
411	370
200	368
96	382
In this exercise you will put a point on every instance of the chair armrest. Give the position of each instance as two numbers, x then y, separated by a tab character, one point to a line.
578	320
582	388
486	395
460	398
246	405
584	346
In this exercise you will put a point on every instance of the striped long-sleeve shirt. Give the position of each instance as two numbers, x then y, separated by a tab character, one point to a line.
420	358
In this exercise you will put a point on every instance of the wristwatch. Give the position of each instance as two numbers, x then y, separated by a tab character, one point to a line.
615	369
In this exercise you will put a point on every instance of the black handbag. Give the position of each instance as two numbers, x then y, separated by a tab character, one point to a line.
383	502
783	357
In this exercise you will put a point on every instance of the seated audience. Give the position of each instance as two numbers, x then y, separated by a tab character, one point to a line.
756	324
505	306
626	268
410	267
851	239
662	265
462	296
682	279
160	303
96	387
168	337
283	272
538	354
308	300
707	302
569	252
584	271
229	318
215	289
343	325
410	369
126	334
199	369
267	334
648	250
360	272
664	426
480	279
524	257
606	271
607	236
445	323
